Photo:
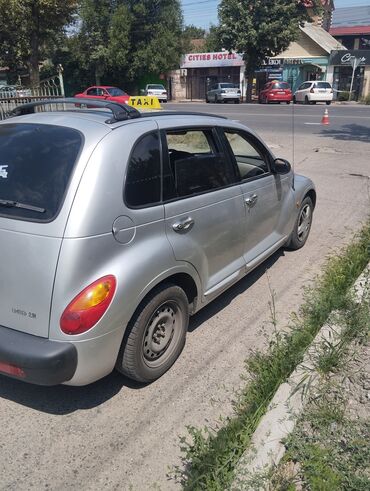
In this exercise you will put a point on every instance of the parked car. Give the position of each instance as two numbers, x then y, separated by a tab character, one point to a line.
116	226
8	91
105	93
223	92
157	90
275	91
314	91
13	91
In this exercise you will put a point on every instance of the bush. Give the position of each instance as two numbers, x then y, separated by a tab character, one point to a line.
343	95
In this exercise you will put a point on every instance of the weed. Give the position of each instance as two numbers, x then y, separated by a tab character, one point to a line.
210	456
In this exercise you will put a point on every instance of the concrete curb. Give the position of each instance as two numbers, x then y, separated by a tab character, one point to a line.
267	449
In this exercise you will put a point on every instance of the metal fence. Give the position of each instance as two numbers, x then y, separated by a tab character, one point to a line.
13	96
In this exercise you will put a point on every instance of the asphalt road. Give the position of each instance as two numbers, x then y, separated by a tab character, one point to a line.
117	435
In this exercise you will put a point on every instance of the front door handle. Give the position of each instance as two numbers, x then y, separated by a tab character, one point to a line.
182	225
251	201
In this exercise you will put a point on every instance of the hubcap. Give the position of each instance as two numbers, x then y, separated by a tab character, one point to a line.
304	223
160	331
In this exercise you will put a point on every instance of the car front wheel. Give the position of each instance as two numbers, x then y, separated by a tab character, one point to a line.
156	335
302	225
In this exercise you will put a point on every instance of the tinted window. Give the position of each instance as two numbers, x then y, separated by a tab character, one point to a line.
281	85
143	180
249	159
113	91
36	162
92	92
196	163
227	86
322	85
156	87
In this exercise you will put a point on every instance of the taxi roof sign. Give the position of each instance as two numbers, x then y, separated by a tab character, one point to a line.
144	102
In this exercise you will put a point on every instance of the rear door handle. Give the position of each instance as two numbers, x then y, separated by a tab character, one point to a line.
182	225
251	201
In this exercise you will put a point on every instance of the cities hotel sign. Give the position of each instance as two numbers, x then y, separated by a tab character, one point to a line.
208	60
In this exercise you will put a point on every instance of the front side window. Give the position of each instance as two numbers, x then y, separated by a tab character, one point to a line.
115	92
92	92
196	164
143	179
36	162
250	160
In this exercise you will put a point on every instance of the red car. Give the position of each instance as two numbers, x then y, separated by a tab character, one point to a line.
275	91
105	93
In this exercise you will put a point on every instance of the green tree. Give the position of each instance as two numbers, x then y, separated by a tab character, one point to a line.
155	36
27	28
261	28
213	39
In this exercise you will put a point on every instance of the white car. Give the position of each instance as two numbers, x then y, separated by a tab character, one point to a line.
157	90
314	91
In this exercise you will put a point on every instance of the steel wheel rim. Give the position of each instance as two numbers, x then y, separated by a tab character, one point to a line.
304	223
162	333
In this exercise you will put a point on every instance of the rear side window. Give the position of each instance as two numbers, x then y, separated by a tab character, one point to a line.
36	162
196	163
143	180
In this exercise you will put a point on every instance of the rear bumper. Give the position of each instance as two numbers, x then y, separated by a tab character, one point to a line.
230	96
279	98
36	360
320	97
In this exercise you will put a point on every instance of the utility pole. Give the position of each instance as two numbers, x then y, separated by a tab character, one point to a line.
355	63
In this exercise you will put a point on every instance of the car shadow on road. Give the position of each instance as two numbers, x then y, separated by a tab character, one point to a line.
63	399
348	132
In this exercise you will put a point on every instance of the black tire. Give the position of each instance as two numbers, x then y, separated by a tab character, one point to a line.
313	103
237	101
288	102
298	238
294	100
207	100
306	101
328	103
216	99
156	334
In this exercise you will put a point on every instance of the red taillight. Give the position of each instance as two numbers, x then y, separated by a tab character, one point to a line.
312	91
88	306
11	370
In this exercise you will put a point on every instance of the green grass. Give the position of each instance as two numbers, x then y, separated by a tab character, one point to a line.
210	457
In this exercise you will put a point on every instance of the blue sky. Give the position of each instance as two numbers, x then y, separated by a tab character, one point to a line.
202	13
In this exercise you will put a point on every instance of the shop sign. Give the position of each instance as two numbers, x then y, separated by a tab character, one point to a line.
208	60
344	57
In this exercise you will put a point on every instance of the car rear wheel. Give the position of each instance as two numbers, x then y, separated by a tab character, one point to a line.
306	101
288	102
328	103
294	100
237	101
207	100
302	225
156	335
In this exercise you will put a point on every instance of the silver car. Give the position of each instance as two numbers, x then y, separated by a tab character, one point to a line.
223	92
116	226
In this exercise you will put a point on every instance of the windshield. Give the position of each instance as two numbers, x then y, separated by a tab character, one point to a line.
36	162
156	87
115	92
227	86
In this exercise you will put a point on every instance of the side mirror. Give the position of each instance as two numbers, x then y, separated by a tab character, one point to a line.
281	166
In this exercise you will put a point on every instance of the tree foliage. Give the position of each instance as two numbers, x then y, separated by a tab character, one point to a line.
127	38
27	28
260	28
